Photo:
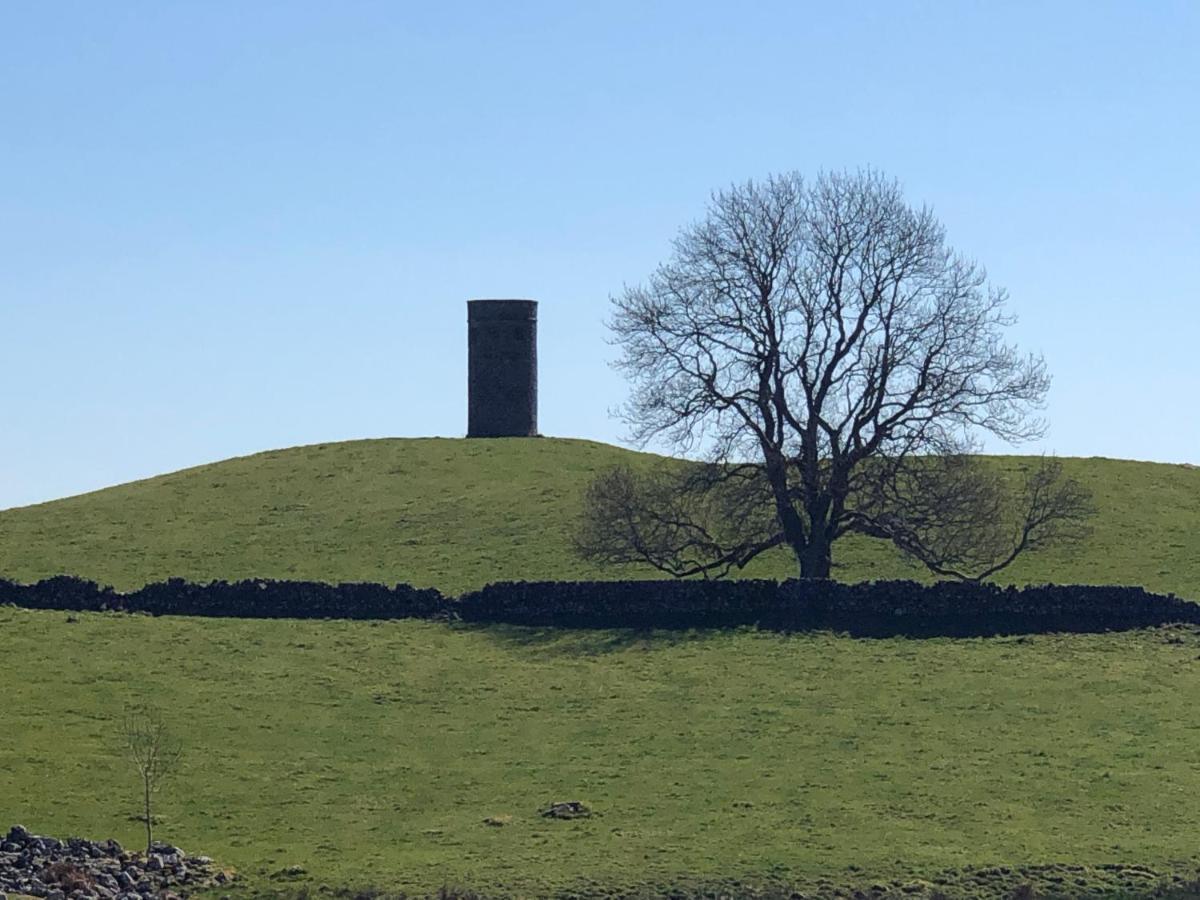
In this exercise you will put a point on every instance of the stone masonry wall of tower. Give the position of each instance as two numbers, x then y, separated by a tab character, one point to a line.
501	368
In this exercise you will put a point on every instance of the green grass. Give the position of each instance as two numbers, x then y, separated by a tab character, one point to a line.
370	753
455	514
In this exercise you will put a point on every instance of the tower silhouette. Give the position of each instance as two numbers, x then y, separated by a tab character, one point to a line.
501	368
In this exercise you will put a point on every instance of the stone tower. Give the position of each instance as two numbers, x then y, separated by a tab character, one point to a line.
501	368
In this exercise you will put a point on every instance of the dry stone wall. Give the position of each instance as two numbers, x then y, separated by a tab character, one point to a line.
869	609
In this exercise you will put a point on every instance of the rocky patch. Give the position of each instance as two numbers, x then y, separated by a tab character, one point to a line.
566	809
78	869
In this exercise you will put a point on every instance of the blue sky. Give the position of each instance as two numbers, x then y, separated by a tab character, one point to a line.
233	226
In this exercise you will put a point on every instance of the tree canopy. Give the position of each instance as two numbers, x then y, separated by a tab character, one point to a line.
834	362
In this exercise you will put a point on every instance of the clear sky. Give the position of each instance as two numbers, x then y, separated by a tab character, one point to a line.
233	226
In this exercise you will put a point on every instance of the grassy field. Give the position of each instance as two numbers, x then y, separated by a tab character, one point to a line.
455	514
371	753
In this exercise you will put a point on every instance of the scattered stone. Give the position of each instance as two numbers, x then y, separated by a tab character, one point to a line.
498	821
566	809
78	869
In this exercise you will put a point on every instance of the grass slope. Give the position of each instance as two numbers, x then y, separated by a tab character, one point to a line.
455	514
370	753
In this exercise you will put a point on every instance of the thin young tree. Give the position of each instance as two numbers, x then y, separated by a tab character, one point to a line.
835	363
154	752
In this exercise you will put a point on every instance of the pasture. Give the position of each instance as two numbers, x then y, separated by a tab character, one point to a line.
370	754
456	514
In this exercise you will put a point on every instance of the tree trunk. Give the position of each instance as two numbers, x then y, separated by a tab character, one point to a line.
789	519
816	557
815	562
149	831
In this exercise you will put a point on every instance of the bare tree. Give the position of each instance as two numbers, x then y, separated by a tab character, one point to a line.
835	362
154	753
684	521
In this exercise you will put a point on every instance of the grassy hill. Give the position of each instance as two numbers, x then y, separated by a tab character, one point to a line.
455	514
370	753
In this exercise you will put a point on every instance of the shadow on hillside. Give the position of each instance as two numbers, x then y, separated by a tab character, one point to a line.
587	641
1105	882
583	641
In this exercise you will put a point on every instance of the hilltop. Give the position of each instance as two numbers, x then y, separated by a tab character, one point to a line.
455	514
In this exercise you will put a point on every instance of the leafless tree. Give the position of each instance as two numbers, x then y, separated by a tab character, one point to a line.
155	754
834	361
704	520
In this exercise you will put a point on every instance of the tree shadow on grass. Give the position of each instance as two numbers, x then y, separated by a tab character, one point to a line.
587	641
591	641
